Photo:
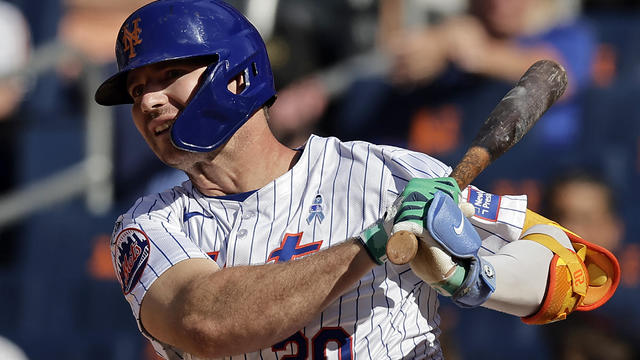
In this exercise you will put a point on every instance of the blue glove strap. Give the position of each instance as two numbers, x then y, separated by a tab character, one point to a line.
455	233
448	226
479	284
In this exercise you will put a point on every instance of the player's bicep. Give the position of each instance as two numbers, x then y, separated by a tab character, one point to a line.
163	309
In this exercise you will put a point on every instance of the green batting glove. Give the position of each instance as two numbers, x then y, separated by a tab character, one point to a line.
412	214
411	208
374	239
417	196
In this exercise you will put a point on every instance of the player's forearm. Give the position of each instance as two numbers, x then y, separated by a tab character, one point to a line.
521	269
242	309
521	273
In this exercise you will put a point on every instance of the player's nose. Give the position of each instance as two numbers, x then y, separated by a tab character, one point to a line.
152	99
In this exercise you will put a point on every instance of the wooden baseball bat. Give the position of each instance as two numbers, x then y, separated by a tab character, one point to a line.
540	86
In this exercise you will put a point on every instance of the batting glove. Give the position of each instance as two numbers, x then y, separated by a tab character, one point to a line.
447	257
415	200
374	238
472	280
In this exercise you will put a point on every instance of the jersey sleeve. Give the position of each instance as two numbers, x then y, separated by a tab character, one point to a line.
498	219
402	165
405	165
147	241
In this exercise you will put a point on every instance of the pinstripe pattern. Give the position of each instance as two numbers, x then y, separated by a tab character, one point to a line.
389	314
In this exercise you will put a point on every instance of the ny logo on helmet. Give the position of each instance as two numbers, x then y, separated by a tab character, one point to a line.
131	38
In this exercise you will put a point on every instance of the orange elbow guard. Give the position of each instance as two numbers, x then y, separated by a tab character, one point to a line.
581	280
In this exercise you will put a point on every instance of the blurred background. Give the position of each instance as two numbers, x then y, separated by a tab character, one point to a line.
422	74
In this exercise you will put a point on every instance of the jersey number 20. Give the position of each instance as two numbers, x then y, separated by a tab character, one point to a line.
318	344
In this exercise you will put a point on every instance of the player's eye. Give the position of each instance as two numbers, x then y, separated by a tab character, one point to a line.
136	91
174	73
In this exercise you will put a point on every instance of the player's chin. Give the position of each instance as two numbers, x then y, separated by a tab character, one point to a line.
167	153
172	156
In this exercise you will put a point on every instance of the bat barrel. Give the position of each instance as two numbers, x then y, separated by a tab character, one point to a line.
540	86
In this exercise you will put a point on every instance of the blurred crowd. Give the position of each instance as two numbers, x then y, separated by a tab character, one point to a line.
422	74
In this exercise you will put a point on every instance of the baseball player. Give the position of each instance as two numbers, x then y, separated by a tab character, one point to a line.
270	253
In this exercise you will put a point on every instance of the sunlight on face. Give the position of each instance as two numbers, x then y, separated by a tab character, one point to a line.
160	91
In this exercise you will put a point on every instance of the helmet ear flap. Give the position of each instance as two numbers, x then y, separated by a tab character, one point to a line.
215	112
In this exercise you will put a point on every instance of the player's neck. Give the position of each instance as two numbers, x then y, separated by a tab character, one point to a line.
251	159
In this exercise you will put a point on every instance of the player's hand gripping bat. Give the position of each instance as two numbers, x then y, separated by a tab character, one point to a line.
540	86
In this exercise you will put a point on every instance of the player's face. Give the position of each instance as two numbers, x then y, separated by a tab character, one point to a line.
160	91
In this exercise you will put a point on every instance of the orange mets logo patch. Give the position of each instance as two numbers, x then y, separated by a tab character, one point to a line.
131	38
131	253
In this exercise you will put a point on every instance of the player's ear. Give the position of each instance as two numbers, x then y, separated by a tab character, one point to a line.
237	84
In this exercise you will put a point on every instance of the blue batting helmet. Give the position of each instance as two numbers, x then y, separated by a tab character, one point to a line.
180	29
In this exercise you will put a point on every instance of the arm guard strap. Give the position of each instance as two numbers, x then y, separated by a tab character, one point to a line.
582	278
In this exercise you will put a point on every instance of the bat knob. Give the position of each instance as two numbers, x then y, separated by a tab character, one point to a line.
402	247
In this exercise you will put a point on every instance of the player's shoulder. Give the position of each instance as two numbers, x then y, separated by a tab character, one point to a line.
359	146
397	160
161	200
162	204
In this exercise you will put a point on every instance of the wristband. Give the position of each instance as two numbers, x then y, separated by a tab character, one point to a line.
374	239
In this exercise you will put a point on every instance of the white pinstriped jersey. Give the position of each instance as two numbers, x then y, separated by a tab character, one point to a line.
333	192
